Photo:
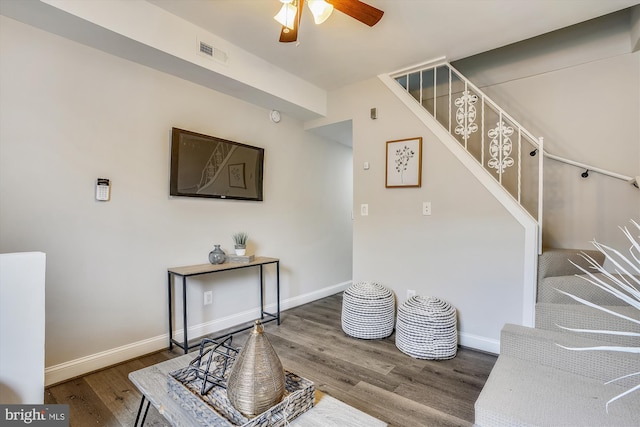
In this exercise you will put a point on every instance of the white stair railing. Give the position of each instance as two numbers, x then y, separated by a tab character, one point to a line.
487	132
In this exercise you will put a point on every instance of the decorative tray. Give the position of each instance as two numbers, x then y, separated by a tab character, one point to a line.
213	408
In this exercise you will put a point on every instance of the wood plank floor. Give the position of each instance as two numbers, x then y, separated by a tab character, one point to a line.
371	375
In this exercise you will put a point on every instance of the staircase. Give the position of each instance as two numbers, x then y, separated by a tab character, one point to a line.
556	272
502	155
537	382
493	146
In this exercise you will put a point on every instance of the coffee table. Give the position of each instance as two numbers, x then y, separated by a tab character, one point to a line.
152	383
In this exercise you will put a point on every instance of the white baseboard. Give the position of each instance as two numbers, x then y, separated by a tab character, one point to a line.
479	343
77	367
314	296
74	368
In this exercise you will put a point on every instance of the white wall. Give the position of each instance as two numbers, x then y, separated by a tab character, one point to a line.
578	88
22	320
70	114
591	123
469	251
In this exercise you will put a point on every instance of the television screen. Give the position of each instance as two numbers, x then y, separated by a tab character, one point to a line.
206	166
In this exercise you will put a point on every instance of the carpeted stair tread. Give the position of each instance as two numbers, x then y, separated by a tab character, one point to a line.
537	382
544	347
523	393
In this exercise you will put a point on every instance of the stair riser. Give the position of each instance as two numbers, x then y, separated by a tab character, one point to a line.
541	346
552	316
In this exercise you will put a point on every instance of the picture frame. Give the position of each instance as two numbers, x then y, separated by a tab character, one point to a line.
236	176
404	163
212	167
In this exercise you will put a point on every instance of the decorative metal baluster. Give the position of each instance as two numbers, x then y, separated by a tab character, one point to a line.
466	115
500	147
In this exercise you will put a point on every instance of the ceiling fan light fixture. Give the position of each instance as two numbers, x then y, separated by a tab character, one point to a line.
287	15
320	10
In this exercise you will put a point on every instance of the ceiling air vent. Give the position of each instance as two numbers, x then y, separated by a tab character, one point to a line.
206	49
209	51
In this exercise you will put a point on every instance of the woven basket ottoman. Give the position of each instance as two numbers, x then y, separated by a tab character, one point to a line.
426	328
368	311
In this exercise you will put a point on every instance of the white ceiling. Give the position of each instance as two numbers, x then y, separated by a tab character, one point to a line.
343	51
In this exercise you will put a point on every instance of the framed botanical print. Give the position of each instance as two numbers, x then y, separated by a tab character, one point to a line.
404	163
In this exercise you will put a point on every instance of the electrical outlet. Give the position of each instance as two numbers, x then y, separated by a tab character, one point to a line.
411	293
426	208
208	297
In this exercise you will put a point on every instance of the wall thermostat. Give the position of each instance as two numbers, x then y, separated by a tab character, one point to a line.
103	189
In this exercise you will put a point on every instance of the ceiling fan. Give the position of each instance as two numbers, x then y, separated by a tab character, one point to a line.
291	11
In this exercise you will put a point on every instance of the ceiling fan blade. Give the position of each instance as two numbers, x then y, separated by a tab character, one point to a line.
357	10
287	35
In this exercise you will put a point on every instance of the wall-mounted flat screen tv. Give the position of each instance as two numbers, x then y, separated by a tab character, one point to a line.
206	166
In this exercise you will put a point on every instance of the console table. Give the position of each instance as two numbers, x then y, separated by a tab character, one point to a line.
197	270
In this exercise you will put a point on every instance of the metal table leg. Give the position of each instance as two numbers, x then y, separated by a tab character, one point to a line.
261	294
184	313
144	417
170	290
278	289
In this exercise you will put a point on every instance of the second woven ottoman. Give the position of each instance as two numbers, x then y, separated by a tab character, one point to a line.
426	328
368	311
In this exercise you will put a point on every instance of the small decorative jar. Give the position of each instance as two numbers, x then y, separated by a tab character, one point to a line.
217	255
